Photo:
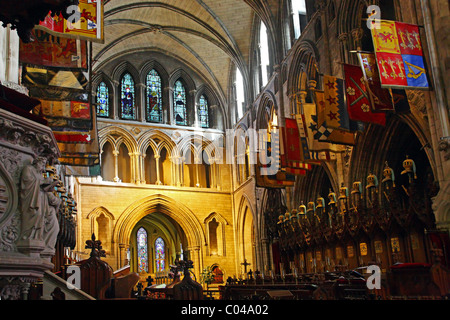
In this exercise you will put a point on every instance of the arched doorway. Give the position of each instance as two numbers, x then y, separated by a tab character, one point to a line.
161	217
156	241
248	240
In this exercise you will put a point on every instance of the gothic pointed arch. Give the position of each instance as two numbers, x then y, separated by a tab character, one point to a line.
114	133
266	107
246	222
215	225
154	65
304	61
125	67
157	139
162	204
102	222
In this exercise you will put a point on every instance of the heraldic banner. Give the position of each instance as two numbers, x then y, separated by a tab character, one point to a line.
85	22
399	54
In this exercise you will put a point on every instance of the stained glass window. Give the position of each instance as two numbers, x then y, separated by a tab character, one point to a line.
179	104
154	97
203	117
102	100
127	97
160	254
142	250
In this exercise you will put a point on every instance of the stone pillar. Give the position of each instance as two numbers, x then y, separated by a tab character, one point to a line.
158	177
322	7
136	168
171	117
142	167
437	44
122	258
343	40
266	262
141	103
191	109
177	165
115	104
300	100
132	167
212	168
116	166
197	162
194	255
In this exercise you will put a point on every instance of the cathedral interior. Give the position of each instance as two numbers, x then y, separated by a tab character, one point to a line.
250	149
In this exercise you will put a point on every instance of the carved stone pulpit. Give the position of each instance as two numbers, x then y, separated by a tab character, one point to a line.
28	223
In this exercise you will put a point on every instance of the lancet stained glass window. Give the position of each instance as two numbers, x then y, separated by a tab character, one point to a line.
203	109
179	102
142	250
154	97
127	97
102	100
160	254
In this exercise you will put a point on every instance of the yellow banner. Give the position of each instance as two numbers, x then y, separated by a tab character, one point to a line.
385	39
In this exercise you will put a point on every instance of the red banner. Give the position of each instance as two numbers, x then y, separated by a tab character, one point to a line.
358	103
53	51
72	137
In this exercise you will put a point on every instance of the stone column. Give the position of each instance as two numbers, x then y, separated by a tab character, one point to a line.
141	103
132	167
137	167
122	258
142	167
171	117
197	162
115	104
212	168
266	262
322	6
177	164
437	44
191	109
116	166
194	255
292	103
343	40
158	177
301	100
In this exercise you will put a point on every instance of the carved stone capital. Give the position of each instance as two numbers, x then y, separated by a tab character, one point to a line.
444	146
312	84
343	37
416	98
357	34
320	5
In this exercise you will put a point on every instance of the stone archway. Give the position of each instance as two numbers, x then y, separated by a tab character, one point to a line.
161	204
